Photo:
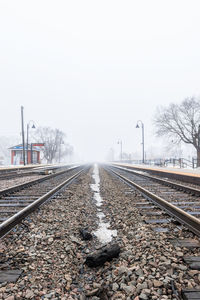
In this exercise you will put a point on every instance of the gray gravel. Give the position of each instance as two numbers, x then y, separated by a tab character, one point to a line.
48	248
4	184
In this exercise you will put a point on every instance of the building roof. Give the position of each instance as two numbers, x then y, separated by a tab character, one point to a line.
20	147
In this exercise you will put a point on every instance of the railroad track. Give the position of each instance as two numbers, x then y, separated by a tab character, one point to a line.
7	174
172	175
18	201
177	200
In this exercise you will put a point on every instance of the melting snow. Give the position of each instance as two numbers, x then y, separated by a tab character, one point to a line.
103	233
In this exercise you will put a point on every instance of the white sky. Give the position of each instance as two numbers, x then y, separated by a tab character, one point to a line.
93	68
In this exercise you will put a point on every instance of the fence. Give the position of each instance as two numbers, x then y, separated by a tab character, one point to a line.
174	162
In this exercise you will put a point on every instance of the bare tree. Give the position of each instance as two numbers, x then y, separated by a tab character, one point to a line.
65	150
180	123
52	139
5	144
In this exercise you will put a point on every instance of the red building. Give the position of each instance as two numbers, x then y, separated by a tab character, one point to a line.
33	154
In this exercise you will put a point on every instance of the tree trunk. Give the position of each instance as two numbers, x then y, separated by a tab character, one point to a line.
198	157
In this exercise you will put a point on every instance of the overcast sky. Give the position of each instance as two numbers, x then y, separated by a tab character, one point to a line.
93	68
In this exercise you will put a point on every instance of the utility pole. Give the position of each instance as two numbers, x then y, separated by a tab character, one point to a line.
23	143
137	126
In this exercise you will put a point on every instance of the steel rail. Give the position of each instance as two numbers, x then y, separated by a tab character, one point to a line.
190	221
29	171
8	224
31	182
174	185
186	177
16	175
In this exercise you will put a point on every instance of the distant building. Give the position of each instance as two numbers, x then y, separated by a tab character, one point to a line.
33	154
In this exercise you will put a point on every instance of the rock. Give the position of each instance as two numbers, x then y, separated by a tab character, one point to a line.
157	283
99	258
50	240
29	294
167	280
193	272
10	298
86	235
75	240
49	296
143	297
67	248
96	285
115	286
92	293
129	289
121	270
182	267
118	296
146	291
139	272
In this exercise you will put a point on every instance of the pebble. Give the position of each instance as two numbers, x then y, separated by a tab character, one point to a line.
157	283
115	286
48	248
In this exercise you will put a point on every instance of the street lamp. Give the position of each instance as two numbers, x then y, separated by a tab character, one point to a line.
137	126
120	142
33	126
23	143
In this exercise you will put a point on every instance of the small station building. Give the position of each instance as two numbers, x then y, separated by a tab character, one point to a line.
33	154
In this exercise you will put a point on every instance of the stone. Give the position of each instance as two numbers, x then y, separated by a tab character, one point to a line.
106	254
29	294
182	267
115	286
121	270
129	289
50	240
92	293
75	240
10	298
193	272
85	234
139	272
157	283
143	297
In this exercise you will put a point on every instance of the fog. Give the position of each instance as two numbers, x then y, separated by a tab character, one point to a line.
93	68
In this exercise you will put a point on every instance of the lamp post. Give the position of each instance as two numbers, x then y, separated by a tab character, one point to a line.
23	143
120	142
137	126
33	126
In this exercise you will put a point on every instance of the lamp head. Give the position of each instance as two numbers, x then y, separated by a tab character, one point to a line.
137	126
33	126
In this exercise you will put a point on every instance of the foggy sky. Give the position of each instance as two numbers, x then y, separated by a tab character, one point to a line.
93	68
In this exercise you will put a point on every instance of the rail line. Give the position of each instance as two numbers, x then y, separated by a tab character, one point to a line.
193	179
19	201
11	173
179	201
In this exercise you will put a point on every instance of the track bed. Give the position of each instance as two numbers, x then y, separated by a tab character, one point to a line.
48	249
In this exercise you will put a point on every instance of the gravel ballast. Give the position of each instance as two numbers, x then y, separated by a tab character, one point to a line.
48	248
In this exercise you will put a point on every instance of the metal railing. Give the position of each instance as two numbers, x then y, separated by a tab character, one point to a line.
174	162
